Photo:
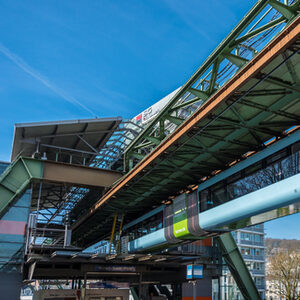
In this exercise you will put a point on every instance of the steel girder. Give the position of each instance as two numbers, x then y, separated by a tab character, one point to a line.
237	266
18	176
257	28
231	124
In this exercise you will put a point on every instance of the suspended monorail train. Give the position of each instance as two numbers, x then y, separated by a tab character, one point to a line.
260	188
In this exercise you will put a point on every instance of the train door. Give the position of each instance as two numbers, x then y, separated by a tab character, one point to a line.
180	216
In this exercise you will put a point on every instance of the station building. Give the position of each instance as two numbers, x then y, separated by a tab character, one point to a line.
232	128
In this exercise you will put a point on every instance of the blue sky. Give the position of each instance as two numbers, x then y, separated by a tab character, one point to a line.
285	227
77	59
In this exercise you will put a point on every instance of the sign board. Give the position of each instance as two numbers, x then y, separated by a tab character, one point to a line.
198	271
189	272
148	114
194	271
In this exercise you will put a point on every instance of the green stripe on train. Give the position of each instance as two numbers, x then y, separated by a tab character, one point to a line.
180	225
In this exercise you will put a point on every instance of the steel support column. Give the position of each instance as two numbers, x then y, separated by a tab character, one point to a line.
235	262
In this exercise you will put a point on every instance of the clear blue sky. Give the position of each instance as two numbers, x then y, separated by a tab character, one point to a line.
76	59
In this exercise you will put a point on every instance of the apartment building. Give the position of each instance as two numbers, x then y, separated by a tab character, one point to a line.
250	241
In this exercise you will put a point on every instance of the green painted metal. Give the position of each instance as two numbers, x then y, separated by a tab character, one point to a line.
133	293
205	81
16	178
258	111
235	262
180	225
285	10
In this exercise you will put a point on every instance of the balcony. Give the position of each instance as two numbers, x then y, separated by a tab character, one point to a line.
254	257
260	286
257	272
254	229
252	243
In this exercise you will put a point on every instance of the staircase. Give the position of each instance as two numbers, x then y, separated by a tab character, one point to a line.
15	179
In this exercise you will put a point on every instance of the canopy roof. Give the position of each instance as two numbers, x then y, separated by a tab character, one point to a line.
59	139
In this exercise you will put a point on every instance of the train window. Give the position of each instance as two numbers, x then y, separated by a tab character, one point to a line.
151	224
296	147
233	190
234	177
205	202
254	168
179	208
279	155
179	204
272	174
218	194
276	167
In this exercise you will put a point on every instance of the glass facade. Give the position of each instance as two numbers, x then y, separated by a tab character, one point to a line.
12	244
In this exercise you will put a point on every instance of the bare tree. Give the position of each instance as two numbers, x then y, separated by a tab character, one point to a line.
284	274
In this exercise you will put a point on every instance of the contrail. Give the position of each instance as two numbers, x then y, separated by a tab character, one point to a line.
35	74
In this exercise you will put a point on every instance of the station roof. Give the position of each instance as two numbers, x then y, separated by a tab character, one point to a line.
83	137
261	102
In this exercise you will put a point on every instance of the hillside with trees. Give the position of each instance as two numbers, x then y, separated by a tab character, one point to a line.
283	268
275	245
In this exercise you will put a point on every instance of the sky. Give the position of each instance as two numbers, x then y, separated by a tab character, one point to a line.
63	60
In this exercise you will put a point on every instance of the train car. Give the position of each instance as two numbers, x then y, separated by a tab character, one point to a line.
257	189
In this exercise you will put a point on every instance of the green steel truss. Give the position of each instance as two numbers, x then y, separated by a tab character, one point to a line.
16	178
264	114
235	262
255	30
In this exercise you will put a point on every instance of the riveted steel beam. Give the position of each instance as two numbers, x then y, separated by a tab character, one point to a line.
19	175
